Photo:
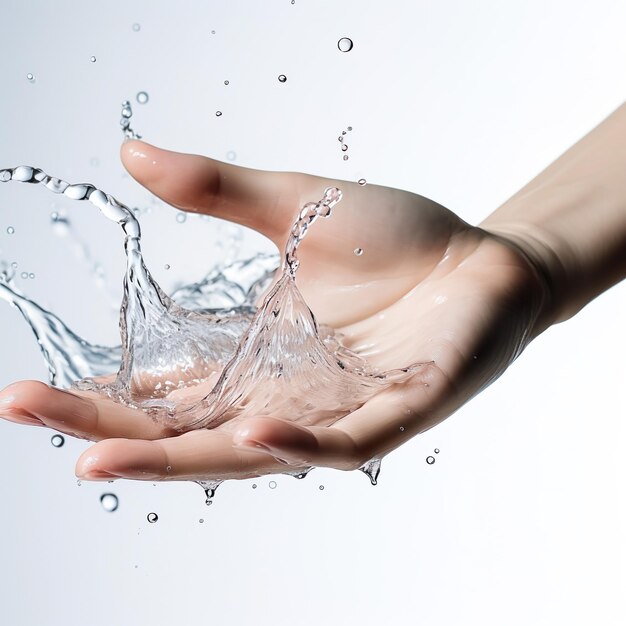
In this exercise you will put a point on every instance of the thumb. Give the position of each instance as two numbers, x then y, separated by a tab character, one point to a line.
264	201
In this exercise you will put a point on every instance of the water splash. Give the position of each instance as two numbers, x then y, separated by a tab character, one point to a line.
372	469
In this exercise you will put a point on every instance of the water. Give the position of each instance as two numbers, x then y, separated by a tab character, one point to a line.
127	113
142	97
57	441
358	251
233	359
282	78
10	230
345	44
109	502
272	484
152	518
218	113
430	460
136	27
92	59
372	469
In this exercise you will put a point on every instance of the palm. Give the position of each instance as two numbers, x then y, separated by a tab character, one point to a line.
426	288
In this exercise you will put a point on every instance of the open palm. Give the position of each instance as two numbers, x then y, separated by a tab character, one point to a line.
401	278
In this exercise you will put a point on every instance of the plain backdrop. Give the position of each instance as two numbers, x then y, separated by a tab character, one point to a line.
521	520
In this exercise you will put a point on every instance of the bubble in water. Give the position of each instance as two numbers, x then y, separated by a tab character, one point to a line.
321	487
430	460
218	113
92	59
10	230
272	484
30	77
136	27
231	155
167	266
109	502
142	97
57	440
345	157
362	182
345	44
152	517
359	252
282	78
181	217
436	450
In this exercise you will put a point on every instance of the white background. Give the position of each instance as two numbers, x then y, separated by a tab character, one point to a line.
522	518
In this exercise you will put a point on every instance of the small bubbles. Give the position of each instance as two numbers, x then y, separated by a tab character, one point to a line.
212	32
254	485
344	147
430	460
168	468
92	59
227	82
57	441
358	251
345	44
152	518
14	265
218	114
362	182
142	97
24	275
436	450
136	27
181	217
321	487
109	502
10	230
401	429
79	482
231	155
345	157
282	78
30	77
272	484
349	127
31	275
201	520
166	266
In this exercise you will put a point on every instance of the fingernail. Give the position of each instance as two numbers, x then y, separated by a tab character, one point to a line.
98	475
7	396
19	416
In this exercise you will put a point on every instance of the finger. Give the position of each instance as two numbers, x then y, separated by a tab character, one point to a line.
86	415
265	201
197	455
379	426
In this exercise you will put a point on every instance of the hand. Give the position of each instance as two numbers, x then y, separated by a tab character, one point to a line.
427	288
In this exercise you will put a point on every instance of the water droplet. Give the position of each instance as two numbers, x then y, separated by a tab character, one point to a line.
344	146
349	127
343	132
231	155
167	266
218	113
181	217
372	469
436	450
210	487
272	484
321	487
14	265
358	251
142	97
362	182
31	275
136	27
24	275
57	440
282	78
168	469
10	230
401	429
212	32
430	460
79	482
92	59
201	521
152	518
254	485
345	44
227	82
30	77
109	502
345	157
340	138
293	1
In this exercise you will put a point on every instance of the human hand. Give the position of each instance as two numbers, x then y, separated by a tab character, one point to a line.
427	288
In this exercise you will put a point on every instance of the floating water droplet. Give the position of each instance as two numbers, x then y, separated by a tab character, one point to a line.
436	450
401	429
30	77
349	127
212	32
210	487
92	59
345	157
321	487
218	113
57	440
168	469
152	518
227	82
372	469
181	217
167	266
340	138
343	132
201	521
231	155
31	275
254	485
430	460
282	78
142	97
362	182
14	265
344	147
358	251
136	27
10	230
24	275
109	502
272	484
79	482
345	44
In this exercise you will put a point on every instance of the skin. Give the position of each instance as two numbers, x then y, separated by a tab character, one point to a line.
428	288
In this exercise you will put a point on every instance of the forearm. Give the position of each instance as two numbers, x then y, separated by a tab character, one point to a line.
571	219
